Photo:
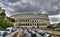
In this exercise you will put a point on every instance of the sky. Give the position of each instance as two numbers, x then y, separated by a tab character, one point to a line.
50	7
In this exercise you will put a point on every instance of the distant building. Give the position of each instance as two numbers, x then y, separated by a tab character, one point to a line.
1	10
31	20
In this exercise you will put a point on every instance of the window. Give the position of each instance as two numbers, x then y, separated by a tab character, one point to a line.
7	29
35	24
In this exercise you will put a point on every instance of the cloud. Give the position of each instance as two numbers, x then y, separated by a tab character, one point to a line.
11	1
51	7
54	19
1	5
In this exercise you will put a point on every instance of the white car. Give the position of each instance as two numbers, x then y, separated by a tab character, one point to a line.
1	33
9	30
47	35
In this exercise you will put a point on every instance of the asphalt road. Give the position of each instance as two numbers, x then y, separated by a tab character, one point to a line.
32	32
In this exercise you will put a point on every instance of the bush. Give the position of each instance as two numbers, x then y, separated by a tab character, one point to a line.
50	26
58	26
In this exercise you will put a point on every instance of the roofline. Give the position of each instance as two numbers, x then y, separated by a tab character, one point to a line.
28	14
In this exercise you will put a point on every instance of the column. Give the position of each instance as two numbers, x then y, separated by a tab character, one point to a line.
29	25
36	25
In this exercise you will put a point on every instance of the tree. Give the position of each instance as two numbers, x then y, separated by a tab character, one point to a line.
58	26
4	21
50	26
12	20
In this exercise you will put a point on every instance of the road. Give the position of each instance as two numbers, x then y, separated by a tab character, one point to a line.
51	31
32	32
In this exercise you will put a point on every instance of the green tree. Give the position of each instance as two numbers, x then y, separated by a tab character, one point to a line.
58	26
4	21
12	20
50	26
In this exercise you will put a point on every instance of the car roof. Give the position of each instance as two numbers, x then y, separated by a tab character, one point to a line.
9	28
1	32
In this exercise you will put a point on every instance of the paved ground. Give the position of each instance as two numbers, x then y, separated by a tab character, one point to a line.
51	31
32	32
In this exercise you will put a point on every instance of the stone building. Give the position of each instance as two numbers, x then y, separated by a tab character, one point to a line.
31	20
1	10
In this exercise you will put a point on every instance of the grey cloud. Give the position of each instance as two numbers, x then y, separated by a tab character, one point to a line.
26	8
12	1
53	12
36	6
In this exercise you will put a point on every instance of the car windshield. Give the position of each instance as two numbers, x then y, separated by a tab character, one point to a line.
7	29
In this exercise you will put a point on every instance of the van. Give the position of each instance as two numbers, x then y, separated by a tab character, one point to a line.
9	30
2	33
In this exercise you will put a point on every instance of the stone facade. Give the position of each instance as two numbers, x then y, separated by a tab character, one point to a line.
31	20
1	10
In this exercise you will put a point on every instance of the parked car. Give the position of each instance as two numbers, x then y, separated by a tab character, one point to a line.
47	35
2	33
9	30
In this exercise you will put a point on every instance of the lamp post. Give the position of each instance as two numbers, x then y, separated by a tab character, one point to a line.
14	28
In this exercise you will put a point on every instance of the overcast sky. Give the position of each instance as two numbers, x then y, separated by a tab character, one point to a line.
50	7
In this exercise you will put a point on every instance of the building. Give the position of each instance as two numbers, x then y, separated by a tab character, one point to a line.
1	10
31	20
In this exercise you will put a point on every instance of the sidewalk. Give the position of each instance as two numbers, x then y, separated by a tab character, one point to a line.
51	31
